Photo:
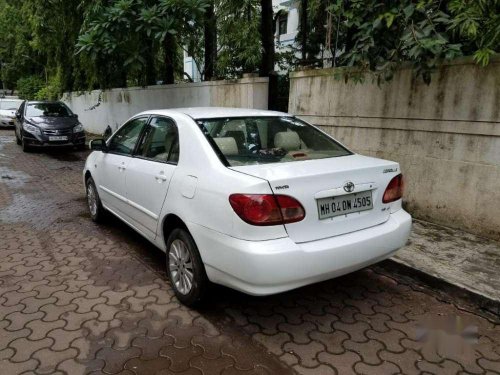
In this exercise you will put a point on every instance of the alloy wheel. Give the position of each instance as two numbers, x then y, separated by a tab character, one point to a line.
92	199
181	266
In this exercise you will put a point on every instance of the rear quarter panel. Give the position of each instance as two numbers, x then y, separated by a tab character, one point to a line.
201	186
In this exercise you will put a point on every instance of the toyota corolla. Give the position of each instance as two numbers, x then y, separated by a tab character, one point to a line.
258	201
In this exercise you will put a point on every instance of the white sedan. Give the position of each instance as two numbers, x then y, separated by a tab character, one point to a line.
259	201
8	109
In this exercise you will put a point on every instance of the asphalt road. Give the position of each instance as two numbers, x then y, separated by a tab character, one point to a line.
78	298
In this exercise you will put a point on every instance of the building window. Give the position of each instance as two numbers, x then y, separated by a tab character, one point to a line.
283	24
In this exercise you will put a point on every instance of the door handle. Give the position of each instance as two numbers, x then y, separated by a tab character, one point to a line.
122	167
161	177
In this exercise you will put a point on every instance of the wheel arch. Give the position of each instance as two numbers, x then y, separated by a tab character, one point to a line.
170	222
87	175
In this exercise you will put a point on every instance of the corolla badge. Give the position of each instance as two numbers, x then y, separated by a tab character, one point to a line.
349	187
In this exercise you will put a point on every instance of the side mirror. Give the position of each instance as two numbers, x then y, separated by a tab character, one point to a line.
98	145
75	115
108	132
18	115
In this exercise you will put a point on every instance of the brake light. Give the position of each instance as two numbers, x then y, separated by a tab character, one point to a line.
267	209
394	190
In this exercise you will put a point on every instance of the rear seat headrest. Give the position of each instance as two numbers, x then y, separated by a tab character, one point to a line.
227	145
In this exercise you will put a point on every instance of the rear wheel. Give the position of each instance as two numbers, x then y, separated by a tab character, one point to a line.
185	268
96	209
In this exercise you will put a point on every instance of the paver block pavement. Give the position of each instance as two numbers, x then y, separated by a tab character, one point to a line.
78	298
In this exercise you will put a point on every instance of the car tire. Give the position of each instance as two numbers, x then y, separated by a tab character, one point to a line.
183	260
96	210
25	147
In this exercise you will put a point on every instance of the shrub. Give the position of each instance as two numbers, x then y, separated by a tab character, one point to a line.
51	91
28	87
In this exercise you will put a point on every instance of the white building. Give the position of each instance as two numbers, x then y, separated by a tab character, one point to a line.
287	25
190	68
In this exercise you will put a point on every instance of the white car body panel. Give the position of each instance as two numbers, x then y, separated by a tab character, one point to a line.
111	181
275	266
7	117
147	186
258	260
309	180
7	111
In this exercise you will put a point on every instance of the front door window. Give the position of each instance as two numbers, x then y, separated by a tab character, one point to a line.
124	141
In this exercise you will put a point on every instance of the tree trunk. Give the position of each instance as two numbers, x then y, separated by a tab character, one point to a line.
267	37
170	51
303	27
210	42
150	73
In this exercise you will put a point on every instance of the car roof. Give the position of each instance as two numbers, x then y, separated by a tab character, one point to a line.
10	99
43	102
218	112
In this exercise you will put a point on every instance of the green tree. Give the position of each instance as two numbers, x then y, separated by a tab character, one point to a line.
477	24
239	39
29	87
37	38
377	37
128	35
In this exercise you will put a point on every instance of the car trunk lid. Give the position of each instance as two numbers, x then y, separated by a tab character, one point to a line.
340	195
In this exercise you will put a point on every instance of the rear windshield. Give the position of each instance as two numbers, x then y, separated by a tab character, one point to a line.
48	110
260	140
10	104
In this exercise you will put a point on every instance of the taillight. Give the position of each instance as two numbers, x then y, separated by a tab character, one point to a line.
267	209
394	190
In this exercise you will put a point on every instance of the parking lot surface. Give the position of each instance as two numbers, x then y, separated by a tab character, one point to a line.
79	298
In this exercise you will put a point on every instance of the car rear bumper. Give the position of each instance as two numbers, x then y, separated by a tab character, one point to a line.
274	266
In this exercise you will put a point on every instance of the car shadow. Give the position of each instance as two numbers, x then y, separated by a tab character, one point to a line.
221	297
65	154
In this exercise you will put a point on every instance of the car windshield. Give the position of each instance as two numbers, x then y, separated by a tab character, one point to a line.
259	140
47	110
12	105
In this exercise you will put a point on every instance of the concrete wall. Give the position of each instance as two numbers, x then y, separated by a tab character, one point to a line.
118	105
446	136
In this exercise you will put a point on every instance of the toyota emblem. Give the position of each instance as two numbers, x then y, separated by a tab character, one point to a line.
349	187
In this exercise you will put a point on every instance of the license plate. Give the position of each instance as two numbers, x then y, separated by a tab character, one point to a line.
58	138
344	204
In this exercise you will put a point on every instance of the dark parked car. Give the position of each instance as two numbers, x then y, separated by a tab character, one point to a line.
40	124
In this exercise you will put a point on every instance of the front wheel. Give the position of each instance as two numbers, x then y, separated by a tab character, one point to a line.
96	209
25	147
185	268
